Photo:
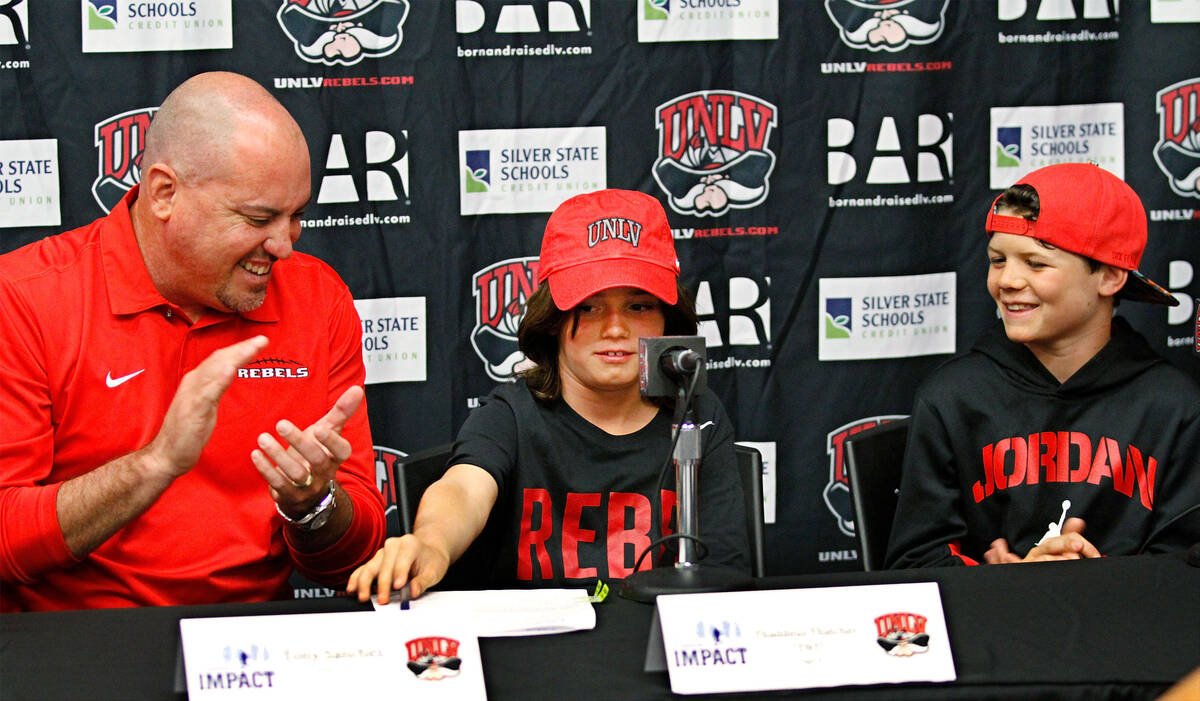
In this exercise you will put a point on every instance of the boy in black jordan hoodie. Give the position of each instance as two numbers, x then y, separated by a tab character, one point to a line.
1061	416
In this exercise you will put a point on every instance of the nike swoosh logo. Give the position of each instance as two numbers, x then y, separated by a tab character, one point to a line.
114	381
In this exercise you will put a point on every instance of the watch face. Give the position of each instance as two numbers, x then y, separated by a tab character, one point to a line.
317	516
323	511
320	519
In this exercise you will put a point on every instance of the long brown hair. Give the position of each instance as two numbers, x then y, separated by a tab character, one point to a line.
537	336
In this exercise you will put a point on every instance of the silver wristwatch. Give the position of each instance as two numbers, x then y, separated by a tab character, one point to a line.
317	516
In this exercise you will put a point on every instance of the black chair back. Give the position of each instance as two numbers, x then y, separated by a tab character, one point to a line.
749	462
412	474
873	461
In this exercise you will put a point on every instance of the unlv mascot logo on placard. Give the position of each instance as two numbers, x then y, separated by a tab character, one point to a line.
119	141
433	658
837	490
712	151
1178	149
343	31
902	634
501	292
887	25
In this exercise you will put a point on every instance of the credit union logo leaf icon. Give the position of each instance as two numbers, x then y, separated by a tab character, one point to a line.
838	318
102	14
1008	147
478	176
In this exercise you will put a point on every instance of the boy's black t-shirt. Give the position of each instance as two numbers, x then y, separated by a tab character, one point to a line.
574	502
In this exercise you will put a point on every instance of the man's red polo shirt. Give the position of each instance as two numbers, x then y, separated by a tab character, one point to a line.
90	358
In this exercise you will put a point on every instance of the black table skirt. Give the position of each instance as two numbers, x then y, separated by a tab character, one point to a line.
1118	628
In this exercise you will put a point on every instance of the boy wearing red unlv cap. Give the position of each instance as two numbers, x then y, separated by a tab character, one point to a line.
1061	415
566	460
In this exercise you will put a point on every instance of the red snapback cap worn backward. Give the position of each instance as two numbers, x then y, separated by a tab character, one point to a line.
1087	210
605	239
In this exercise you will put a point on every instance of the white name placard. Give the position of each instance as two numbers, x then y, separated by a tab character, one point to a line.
369	654
801	638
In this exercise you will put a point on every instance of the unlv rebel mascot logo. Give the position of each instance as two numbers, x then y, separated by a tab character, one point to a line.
837	490
902	634
1178	149
433	658
119	143
887	25
343	31
501	292
712	151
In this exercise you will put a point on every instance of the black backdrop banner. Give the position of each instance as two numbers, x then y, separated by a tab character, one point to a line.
825	166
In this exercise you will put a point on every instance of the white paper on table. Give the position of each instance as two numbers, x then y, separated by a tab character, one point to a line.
331	655
801	638
496	613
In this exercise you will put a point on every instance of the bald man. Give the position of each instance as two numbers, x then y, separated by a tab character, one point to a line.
181	414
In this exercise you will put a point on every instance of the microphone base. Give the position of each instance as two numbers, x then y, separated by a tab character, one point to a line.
647	585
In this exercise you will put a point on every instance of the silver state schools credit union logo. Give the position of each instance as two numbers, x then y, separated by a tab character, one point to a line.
713	151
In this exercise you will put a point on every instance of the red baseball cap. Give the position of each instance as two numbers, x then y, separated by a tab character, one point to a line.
605	239
1087	210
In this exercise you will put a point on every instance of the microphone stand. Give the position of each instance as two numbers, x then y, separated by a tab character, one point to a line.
686	576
